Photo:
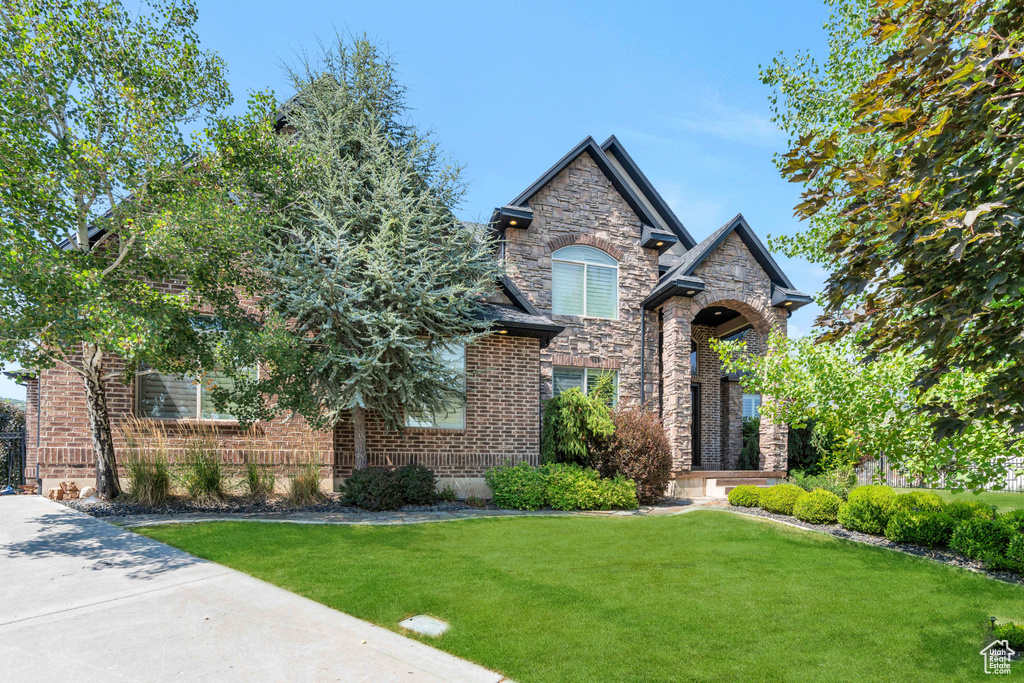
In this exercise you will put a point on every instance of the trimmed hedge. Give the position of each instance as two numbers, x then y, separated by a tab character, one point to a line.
817	507
961	510
745	495
927	528
868	509
1014	519
1012	633
980	538
1015	551
381	488
780	498
922	501
517	487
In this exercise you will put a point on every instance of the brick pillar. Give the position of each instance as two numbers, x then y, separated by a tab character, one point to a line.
775	437
709	374
732	422
676	378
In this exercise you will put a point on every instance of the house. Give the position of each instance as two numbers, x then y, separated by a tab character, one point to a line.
602	277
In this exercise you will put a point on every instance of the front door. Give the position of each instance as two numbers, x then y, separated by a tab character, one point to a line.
695	423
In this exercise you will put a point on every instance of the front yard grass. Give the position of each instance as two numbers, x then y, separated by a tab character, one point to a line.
706	595
1004	500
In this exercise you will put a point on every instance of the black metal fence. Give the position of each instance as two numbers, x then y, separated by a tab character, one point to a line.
12	458
876	471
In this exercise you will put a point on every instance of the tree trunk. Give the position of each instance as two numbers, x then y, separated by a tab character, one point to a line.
107	485
359	432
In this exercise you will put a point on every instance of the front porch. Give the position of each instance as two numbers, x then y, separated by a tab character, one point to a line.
718	483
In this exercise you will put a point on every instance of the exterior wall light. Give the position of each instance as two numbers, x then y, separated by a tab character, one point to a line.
690	292
502	331
513	222
658	244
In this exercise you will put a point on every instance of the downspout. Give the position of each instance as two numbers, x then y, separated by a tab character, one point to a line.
643	347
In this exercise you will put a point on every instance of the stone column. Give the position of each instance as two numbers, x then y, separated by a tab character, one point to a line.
775	437
676	319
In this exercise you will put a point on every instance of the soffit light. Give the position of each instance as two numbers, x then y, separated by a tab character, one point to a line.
513	222
502	331
690	292
658	244
788	303
718	313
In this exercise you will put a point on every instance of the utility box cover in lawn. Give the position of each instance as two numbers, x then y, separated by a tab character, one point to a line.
428	626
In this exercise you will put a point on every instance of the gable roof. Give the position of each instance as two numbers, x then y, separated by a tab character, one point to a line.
641	197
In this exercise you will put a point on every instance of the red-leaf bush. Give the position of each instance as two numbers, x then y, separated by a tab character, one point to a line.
638	449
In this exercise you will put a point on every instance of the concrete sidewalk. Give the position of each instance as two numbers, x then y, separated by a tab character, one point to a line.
83	600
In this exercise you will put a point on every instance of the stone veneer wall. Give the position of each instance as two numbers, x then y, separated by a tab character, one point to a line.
580	206
502	418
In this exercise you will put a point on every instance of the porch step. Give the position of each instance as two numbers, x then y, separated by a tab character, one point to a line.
730	484
730	488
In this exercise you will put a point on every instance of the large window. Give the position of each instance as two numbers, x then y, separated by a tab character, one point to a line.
584	379
455	416
170	397
751	405
584	281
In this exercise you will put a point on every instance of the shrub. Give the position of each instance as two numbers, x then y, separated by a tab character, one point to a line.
839	482
1015	551
637	450
417	483
517	487
146	465
961	510
924	501
780	498
571	487
929	528
574	425
258	482
977	538
746	496
817	507
867	509
200	473
375	488
1012	633
750	455
304	485
447	494
1014	519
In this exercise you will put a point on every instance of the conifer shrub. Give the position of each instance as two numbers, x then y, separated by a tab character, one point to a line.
575	425
417	483
817	507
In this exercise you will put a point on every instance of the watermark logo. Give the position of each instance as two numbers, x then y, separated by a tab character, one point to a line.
998	656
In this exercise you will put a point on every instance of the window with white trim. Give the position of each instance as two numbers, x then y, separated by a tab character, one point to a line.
585	379
584	281
455	416
751	405
171	397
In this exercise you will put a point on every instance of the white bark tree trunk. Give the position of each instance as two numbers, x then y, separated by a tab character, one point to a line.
107	485
359	433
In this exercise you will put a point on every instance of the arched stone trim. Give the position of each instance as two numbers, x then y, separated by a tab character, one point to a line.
762	318
585	240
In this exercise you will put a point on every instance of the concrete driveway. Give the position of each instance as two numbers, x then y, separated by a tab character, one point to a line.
83	600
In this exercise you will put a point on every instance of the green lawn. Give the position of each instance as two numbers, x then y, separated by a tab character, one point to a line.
703	596
1004	500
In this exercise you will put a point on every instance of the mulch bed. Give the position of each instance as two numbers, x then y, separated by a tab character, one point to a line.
943	555
177	506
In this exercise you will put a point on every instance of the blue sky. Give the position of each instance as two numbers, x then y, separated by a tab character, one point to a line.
508	88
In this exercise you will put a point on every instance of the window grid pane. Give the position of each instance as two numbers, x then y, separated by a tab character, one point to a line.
565	379
165	396
601	292
567	288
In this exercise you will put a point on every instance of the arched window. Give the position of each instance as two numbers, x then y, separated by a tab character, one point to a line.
584	281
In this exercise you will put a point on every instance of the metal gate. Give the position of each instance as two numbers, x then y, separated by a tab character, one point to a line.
12	458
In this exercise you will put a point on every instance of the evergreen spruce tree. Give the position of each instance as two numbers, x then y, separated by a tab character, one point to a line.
372	276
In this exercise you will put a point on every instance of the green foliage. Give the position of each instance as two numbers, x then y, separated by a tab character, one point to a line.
925	501
927	528
922	242
1015	550
817	507
417	484
12	419
638	450
864	407
258	482
149	477
95	97
868	509
574	425
839	482
1013	519
200	473
745	495
373	488
961	510
750	456
780	498
1012	633
371	276
571	487
304	485
447	494
978	538
517	487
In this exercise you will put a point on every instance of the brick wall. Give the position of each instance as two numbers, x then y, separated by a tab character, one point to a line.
580	206
502	418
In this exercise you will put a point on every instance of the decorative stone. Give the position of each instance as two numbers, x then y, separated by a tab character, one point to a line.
422	624
87	492
56	493
71	492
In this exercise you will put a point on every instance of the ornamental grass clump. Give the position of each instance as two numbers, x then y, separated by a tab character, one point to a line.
817	507
200	473
928	528
258	479
780	498
146	462
304	485
745	495
868	509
